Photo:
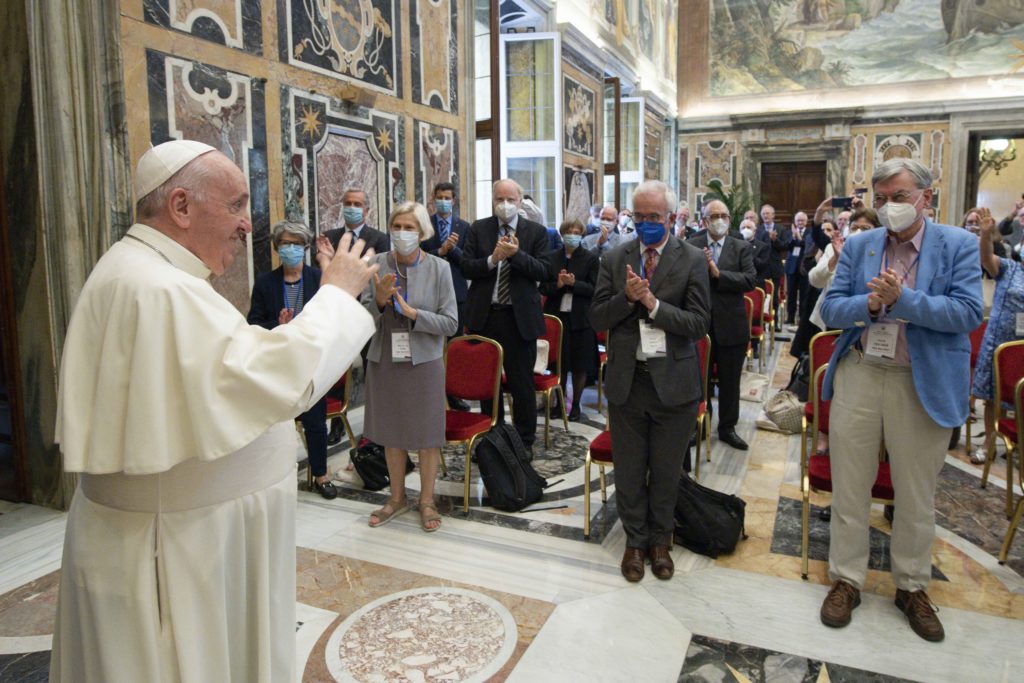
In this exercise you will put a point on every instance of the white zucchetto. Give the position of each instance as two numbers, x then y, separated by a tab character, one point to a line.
161	162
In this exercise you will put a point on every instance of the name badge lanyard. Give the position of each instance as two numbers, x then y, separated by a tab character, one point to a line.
394	298
298	293
885	268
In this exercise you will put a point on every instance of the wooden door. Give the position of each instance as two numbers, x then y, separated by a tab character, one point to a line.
792	186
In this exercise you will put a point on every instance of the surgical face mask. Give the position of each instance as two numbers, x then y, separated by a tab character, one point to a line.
405	242
353	214
718	227
897	216
973	227
623	220
444	206
505	211
650	233
608	225
747	233
572	241
291	254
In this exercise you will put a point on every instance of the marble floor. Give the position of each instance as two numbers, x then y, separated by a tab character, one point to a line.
496	596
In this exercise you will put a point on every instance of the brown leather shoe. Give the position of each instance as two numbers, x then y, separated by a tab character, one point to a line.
921	614
633	564
838	606
661	562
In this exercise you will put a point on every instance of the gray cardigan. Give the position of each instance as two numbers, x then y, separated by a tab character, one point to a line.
431	293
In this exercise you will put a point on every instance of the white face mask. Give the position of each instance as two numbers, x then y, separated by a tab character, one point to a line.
405	242
607	224
718	227
505	211
897	216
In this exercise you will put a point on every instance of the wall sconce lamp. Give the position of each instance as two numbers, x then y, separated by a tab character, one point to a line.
996	154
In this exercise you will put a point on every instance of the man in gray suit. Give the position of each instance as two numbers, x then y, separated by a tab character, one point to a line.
652	297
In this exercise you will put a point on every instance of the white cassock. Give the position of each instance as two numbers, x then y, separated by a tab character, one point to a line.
179	559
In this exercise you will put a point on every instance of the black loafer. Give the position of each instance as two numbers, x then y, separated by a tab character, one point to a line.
334	436
733	439
326	489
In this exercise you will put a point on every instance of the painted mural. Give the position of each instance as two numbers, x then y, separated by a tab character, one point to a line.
772	46
353	40
578	187
194	101
436	157
235	23
579	107
331	146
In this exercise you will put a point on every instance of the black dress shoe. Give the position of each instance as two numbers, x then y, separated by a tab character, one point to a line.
733	439
334	436
826	514
456	403
325	489
661	562
574	414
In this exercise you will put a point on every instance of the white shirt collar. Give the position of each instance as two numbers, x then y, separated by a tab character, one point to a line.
162	245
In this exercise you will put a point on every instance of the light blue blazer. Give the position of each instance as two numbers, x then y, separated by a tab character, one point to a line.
940	312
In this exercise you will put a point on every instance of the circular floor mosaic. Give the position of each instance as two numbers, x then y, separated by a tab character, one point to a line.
424	634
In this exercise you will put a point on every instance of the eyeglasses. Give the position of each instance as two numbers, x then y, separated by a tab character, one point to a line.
899	198
649	217
717	216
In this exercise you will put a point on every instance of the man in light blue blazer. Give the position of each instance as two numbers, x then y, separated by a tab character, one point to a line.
906	298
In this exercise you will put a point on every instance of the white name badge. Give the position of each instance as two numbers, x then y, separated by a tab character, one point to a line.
652	339
1020	325
566	304
882	340
400	350
796	251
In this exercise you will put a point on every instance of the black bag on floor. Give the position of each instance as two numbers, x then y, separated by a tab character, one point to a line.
708	522
509	478
800	377
371	465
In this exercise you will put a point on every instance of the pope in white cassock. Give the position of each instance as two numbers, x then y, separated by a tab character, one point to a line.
179	560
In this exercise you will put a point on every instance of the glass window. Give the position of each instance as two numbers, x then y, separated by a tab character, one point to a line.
530	79
482	179
482	59
632	135
609	125
537	177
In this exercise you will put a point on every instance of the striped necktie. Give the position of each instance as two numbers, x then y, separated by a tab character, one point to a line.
442	226
504	276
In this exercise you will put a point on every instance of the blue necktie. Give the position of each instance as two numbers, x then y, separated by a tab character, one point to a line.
442	225
716	252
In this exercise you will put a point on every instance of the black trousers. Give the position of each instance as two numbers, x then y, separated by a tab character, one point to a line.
314	425
729	360
520	355
648	440
796	292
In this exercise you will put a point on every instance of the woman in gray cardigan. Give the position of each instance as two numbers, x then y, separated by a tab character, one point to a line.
413	302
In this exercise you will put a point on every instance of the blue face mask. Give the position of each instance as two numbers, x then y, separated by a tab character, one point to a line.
291	254
353	214
572	241
650	233
444	206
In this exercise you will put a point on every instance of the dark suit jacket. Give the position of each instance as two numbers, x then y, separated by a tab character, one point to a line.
454	255
762	254
779	247
681	286
792	257
584	265
736	277
529	266
268	295
375	239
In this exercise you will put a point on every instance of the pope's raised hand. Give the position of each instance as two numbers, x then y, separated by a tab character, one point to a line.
346	269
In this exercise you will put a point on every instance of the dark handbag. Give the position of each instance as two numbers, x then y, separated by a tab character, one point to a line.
708	522
372	467
800	377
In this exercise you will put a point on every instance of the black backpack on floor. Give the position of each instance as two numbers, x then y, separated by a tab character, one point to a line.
800	377
708	522
371	465
510	480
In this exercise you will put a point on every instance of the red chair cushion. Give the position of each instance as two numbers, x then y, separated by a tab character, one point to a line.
601	447
333	406
756	330
470	368
603	356
819	471
822	416
544	382
460	425
1008	428
702	408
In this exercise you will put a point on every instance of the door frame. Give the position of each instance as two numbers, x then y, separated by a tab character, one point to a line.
961	129
833	153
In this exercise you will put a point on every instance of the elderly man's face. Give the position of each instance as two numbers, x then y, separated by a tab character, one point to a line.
800	220
221	220
506	192
650	207
842	220
608	213
749	215
768	214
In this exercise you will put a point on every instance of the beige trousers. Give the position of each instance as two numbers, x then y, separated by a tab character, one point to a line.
874	402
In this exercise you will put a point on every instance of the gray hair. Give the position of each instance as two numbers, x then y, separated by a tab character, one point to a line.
707	206
366	195
519	188
921	176
419	212
292	228
657	187
192	177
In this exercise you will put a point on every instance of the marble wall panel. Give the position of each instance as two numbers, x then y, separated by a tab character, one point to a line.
235	23
579	117
434	51
578	187
436	159
351	40
191	100
684	172
653	147
330	146
716	160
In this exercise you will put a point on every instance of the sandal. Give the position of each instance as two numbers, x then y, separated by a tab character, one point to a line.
426	518
387	513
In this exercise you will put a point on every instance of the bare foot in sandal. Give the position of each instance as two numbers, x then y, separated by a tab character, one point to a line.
430	520
391	509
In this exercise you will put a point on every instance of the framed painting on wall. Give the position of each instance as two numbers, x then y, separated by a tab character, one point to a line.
579	193
579	117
